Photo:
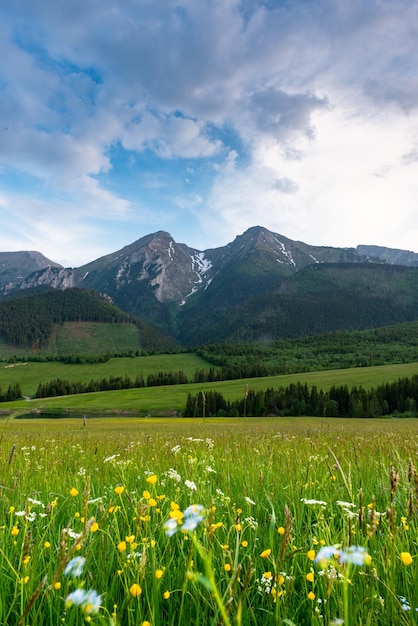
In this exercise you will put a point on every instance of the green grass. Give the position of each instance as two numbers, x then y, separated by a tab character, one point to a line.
169	400
249	560
92	338
29	375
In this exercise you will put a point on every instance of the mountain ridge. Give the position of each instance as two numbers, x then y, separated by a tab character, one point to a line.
261	284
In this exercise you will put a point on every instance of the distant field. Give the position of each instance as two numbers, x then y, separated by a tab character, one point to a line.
29	376
169	400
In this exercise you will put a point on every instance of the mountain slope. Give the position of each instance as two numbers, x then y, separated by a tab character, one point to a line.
318	299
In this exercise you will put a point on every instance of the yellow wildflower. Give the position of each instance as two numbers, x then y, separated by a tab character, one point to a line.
152	479
265	553
244	543
281	530
406	558
311	596
26	559
152	502
311	555
122	546
135	590
94	527
47	544
166	595
15	531
73	492
227	567
159	573
130	539
267	575
310	577
119	490
146	494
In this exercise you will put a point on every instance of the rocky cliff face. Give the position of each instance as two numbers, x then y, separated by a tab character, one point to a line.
390	255
16	266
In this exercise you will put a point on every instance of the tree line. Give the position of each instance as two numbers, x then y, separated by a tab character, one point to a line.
400	397
59	387
13	392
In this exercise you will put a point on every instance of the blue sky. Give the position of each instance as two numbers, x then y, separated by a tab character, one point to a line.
205	117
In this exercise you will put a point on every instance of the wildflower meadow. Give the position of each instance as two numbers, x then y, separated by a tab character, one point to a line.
249	521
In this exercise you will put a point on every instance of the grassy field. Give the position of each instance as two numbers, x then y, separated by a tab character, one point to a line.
169	400
29	375
245	522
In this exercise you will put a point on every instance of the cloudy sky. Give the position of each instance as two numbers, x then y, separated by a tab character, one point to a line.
205	117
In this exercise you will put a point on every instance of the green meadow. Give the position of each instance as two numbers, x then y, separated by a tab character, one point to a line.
167	400
246	521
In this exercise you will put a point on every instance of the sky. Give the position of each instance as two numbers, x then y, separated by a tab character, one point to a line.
119	118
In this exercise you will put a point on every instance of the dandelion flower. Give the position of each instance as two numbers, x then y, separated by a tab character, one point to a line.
311	555
94	527
122	546
146	623
310	577
311	596
152	479
119	490
244	543
135	590
166	595
47	544
281	530
267	575
152	502
15	531
406	558
227	567
73	492
146	494
57	585
159	573
265	553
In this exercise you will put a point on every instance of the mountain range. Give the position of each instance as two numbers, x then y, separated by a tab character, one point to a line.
261	286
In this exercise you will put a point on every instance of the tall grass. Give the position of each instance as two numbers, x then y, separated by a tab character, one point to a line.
274	492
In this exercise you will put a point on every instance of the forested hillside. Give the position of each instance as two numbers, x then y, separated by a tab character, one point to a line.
28	321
